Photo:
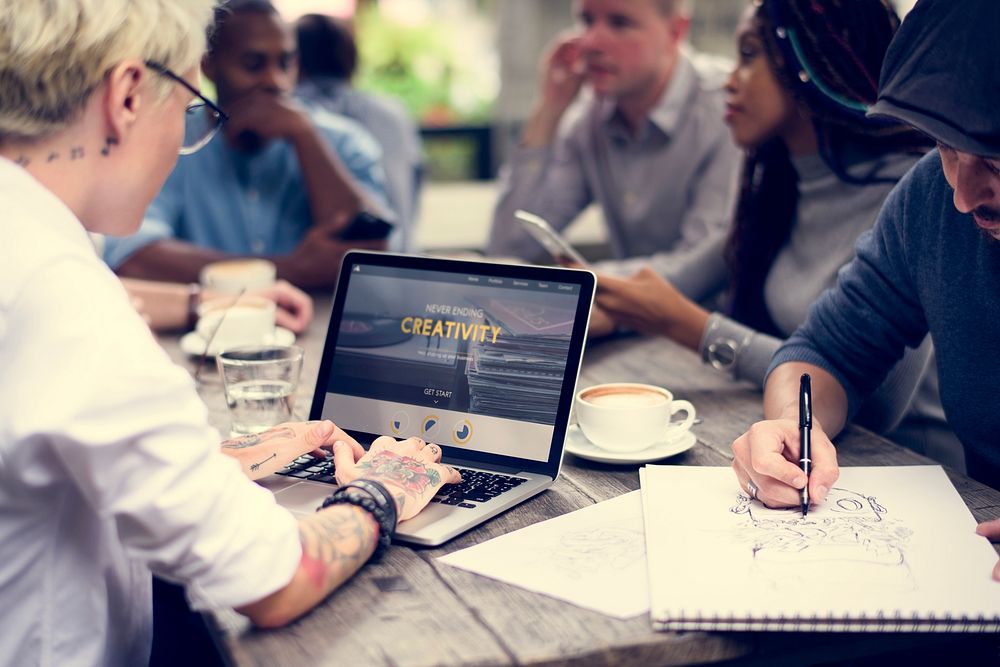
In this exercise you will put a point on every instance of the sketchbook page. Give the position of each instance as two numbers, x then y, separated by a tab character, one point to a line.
646	516
594	558
891	548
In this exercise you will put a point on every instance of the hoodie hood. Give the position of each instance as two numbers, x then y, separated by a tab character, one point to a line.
942	74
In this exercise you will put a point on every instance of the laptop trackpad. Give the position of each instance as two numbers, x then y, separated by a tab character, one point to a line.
304	497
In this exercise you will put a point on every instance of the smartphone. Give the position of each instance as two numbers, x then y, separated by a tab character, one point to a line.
560	249
366	227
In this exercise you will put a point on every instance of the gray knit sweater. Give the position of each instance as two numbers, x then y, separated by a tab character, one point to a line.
831	216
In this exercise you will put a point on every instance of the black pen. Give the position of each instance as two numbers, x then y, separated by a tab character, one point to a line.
805	433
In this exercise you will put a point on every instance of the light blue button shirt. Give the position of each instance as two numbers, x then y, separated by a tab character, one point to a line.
248	203
397	135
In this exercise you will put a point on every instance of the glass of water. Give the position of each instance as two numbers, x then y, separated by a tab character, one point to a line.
260	384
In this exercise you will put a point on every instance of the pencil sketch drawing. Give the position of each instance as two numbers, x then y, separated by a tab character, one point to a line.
600	549
849	540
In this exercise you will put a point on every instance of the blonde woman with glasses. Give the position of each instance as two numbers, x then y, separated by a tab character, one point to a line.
109	470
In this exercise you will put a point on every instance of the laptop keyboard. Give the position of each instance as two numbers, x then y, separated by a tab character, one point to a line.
476	486
306	467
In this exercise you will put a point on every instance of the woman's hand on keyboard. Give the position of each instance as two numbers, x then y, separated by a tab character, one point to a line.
261	454
410	469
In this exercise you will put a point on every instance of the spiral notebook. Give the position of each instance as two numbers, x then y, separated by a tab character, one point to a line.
893	549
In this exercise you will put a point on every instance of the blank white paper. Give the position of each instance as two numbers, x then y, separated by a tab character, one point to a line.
594	558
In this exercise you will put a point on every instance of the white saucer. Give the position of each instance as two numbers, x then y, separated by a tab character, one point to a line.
578	445
192	343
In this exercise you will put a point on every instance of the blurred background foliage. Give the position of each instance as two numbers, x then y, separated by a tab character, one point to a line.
442	60
444	69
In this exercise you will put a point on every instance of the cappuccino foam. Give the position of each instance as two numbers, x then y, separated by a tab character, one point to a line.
624	397
238	274
237	267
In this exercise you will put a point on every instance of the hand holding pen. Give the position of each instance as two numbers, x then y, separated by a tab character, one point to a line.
788	460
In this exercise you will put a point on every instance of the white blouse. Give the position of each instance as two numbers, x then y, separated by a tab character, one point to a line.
108	467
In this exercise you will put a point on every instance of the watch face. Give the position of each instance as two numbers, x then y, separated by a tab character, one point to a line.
722	354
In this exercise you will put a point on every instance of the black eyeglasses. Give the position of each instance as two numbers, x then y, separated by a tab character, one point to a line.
204	117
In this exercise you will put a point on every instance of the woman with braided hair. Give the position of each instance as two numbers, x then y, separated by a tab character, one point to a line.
816	171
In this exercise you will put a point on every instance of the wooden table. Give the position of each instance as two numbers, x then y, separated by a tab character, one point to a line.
409	610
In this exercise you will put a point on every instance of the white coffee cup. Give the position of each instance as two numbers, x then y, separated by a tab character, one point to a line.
232	276
248	321
627	417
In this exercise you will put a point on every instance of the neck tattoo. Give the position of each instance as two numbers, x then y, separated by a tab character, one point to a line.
109	142
75	153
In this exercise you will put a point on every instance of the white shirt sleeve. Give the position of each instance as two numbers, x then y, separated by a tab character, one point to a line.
100	405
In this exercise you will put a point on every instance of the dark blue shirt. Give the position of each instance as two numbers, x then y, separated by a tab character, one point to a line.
923	267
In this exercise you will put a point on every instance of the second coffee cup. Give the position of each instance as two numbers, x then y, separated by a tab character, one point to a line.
228	324
232	276
627	417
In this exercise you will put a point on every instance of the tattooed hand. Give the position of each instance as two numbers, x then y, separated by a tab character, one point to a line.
410	469
263	453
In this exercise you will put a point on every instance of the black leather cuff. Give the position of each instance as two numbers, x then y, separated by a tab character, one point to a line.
374	499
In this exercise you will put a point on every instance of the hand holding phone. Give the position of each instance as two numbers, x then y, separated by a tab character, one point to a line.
558	247
366	227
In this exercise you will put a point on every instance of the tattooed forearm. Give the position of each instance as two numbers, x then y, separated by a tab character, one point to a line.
241	442
254	467
254	439
335	543
411	475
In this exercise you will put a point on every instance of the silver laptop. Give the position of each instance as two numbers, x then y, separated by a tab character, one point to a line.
480	358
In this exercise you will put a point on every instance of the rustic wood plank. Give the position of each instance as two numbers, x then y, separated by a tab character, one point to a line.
411	610
539	630
399	612
602	481
724	407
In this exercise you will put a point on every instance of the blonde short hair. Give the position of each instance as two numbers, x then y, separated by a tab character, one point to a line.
55	53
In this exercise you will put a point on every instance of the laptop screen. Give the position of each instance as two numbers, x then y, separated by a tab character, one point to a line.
480	358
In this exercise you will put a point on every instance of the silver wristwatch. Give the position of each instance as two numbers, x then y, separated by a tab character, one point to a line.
720	347
722	353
